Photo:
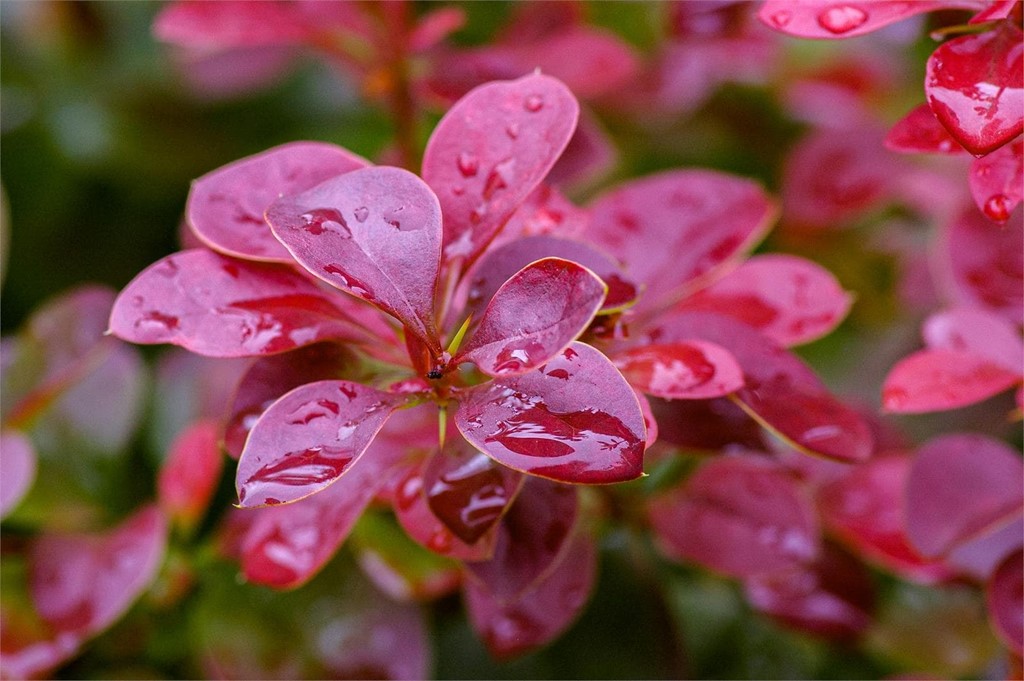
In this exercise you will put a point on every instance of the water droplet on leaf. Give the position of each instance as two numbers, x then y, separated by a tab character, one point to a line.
362	213
842	18
468	164
533	103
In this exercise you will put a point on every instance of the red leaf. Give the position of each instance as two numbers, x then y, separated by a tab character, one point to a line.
674	228
533	317
920	132
959	487
547	212
540	614
589	156
375	233
490	151
975	87
222	307
688	370
832	19
707	425
225	207
189	475
545	423
307	439
18	462
1005	599
741	516
788	299
936	380
978	332
83	583
987	264
997	181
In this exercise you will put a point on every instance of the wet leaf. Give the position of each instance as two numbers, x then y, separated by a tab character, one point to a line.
18	462
545	423
978	332
687	370
996	181
190	473
986	264
920	132
831	19
1005	598
936	380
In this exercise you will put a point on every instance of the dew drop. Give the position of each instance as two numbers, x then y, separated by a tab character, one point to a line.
842	18
996	208
477	215
157	321
499	178
468	164
781	19
458	190
440	541
325	220
512	130
362	213
533	103
137	301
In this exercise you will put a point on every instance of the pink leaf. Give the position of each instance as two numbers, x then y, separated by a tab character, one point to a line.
221	307
979	557
832	19
687	370
987	264
997	181
225	207
936	380
546	211
18	462
490	151
740	516
434	26
673	228
307	439
920	132
975	87
189	475
540	614
589	156
978	332
1005	599
959	487
788	299
590	61
375	233
83	583
545	423
533	317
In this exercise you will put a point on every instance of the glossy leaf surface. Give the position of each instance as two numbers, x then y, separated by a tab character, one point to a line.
997	181
1005	598
225	207
545	423
739	516
533	317
307	439
189	475
18	462
960	486
490	151
935	380
374	232
221	307
832	19
788	299
987	264
975	87
978	332
675	227
688	370
540	614
83	583
920	132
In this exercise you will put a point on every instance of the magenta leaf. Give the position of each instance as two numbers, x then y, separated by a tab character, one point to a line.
920	132
959	487
987	264
996	181
590	61
833	596
975	87
82	583
375	233
979	557
788	299
533	317
936	380
589	156
27	651
490	151
540	614
307	439
740	516
533	538
978	332
221	307
546	211
545	423
832	19
189	475
18	462
687	370
225	207
467	490
671	229
1005	599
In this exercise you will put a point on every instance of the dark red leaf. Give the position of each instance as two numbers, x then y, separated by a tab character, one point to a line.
959	487
189	475
831	19
788	299
920	132
741	516
375	233
987	264
225	207
307	439
936	380
675	228
687	370
1005	598
706	425
82	583
975	87
221	307
533	317
547	422
490	151
540	614
978	332
18	462
997	181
